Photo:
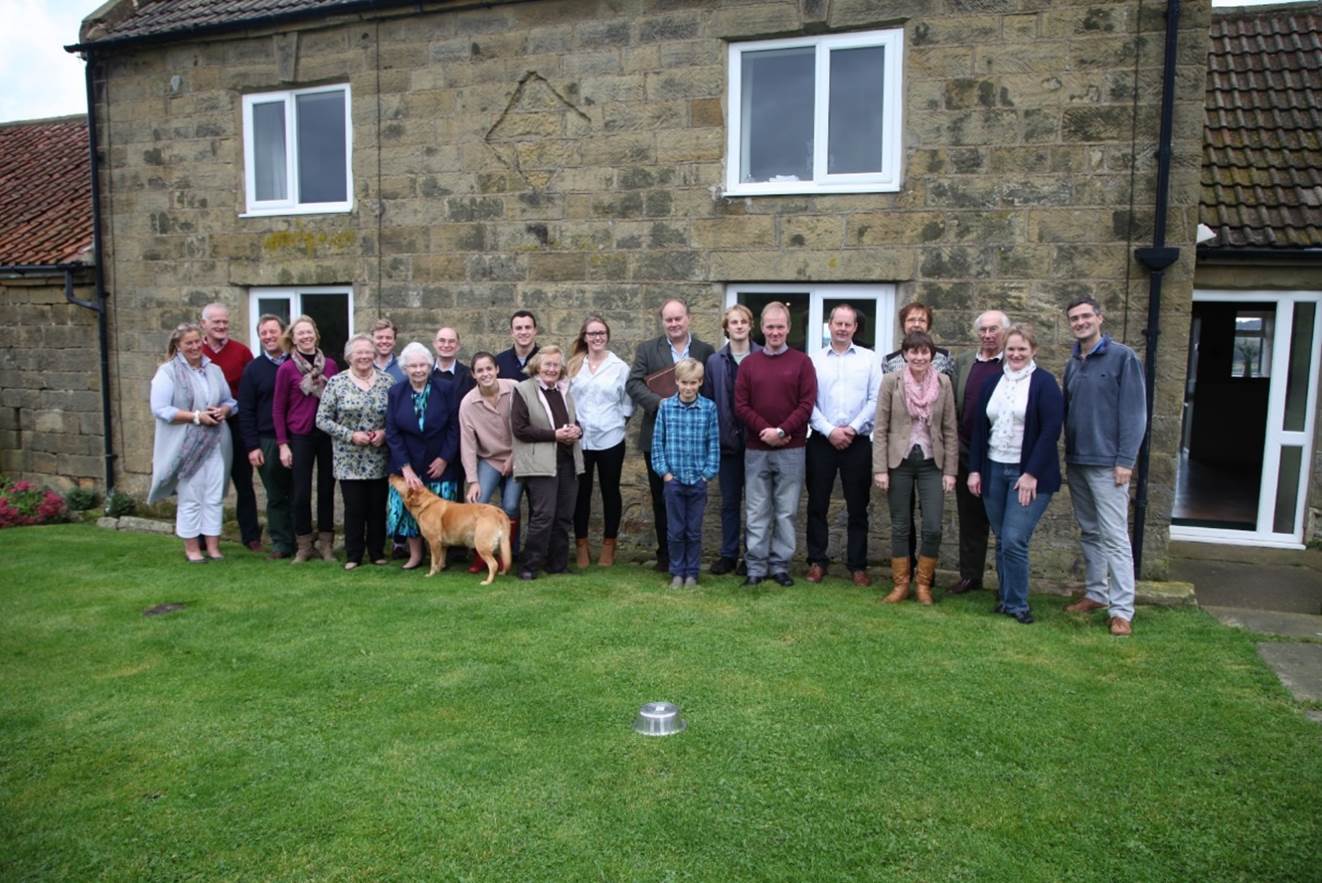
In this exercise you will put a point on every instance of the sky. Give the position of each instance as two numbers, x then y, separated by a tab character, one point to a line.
39	79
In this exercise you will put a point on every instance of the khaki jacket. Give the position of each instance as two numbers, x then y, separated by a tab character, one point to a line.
890	433
537	459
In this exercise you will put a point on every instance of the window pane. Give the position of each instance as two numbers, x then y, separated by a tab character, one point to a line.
1296	381
1251	356
855	110
798	304
321	147
276	306
268	144
331	313
777	115
866	310
1287	489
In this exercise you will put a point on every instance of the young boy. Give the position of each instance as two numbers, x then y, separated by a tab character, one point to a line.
686	453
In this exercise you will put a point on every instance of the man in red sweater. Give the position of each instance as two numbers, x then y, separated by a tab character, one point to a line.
773	397
232	357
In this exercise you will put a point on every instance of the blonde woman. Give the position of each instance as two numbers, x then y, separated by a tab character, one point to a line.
191	453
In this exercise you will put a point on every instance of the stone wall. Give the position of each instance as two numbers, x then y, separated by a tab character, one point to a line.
568	156
50	384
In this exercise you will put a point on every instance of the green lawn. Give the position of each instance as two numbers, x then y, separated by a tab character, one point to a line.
304	723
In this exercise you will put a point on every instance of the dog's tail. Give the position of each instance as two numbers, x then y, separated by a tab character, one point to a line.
506	544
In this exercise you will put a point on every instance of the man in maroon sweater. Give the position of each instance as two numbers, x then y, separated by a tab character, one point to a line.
773	397
232	357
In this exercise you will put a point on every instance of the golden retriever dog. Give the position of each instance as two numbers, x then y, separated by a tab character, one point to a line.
442	523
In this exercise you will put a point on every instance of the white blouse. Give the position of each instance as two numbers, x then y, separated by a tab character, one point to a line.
601	403
1006	410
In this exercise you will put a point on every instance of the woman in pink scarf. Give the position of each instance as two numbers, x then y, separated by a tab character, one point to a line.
914	442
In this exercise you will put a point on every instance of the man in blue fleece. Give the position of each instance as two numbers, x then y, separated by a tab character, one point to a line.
1105	420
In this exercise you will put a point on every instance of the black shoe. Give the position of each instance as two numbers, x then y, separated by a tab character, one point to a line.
965	585
741	569
526	574
999	608
1023	617
782	579
721	566
752	580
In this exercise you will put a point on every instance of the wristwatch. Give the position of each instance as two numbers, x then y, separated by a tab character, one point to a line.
197	418
780	432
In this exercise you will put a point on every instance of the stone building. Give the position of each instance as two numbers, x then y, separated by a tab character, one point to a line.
446	162
51	406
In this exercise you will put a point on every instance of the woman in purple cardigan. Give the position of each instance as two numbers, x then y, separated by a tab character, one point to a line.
1013	464
298	386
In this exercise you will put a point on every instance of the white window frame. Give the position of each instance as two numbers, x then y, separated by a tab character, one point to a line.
881	294
885	181
294	296
291	205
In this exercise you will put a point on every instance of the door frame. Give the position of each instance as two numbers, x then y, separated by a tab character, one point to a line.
1275	437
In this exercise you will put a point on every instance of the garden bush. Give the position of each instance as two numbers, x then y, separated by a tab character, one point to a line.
81	499
22	503
118	504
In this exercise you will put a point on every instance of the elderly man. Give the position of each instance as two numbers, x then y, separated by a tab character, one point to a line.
256	440
1105	421
233	357
773	398
973	371
848	376
652	378
383	347
523	331
449	371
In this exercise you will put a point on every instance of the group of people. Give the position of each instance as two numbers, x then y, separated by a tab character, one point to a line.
765	420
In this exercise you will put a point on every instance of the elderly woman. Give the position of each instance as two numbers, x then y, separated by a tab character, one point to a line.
486	445
191	454
422	440
1013	463
299	383
353	414
915	444
597	385
547	459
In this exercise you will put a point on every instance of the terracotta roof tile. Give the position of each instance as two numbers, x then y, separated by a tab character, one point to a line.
1262	155
45	192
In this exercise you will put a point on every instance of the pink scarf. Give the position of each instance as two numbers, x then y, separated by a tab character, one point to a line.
920	394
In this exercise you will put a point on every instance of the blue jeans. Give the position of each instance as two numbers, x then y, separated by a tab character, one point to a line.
685	504
489	480
1013	525
732	503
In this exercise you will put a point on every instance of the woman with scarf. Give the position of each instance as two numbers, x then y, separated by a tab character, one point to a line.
1013	464
548	456
191	453
423	438
299	383
915	443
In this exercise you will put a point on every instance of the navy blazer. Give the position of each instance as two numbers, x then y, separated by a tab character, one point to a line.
419	447
1042	422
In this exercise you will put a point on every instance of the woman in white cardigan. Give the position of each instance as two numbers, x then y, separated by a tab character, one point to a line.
603	406
191	454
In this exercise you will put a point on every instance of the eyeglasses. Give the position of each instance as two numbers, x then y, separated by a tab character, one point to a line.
594	333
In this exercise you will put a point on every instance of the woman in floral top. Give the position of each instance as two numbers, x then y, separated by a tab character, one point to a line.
353	413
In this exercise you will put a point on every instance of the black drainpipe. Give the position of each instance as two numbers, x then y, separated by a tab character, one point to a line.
101	306
1156	259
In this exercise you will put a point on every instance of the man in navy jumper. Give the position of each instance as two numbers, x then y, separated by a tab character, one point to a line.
1105	420
256	441
773	397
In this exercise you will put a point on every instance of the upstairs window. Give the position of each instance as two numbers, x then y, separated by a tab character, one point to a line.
815	114
297	151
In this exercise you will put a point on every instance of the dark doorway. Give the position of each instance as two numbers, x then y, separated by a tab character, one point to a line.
1224	426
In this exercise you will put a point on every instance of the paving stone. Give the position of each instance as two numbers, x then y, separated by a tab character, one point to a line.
1270	622
1299	666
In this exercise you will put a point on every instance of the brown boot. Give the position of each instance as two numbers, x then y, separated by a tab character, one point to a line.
900	577
607	553
304	544
584	554
326	545
926	573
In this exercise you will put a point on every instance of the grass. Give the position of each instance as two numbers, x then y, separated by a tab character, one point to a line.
304	723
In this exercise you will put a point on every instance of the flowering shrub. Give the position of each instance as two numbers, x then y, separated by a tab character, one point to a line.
22	503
